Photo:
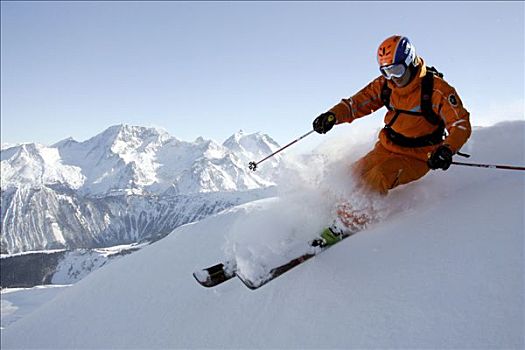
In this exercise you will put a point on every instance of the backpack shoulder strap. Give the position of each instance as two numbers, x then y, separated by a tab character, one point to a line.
435	71
385	95
427	89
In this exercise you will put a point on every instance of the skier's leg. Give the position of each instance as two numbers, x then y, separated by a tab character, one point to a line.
381	170
376	173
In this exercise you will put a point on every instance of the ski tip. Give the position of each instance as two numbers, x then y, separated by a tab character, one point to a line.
214	275
203	279
201	275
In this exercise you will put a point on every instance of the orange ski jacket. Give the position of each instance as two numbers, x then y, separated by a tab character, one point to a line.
445	103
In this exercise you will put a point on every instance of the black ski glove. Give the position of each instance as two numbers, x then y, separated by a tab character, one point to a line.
441	158
324	122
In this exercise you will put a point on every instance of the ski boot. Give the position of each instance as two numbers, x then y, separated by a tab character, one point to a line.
328	237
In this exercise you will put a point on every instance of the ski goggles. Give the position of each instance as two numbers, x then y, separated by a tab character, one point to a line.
393	70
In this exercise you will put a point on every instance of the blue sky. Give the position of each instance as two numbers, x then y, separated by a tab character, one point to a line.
211	68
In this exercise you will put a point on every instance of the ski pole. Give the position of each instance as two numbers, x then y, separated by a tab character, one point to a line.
253	165
491	166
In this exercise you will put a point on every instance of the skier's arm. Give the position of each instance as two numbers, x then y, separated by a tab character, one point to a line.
364	102
456	117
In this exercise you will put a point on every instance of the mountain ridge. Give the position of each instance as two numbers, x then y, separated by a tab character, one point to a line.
76	194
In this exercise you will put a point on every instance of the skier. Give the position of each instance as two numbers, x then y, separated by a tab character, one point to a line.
425	125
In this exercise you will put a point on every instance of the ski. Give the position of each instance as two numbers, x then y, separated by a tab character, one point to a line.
275	272
222	272
317	249
216	274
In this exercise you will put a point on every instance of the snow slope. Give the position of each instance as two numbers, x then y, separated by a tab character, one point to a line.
443	269
17	303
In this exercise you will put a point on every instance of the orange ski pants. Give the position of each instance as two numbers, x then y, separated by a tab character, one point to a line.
382	170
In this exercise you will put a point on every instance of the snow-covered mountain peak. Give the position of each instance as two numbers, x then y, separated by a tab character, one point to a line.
33	164
65	190
199	140
237	136
124	138
5	145
126	158
65	143
253	145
